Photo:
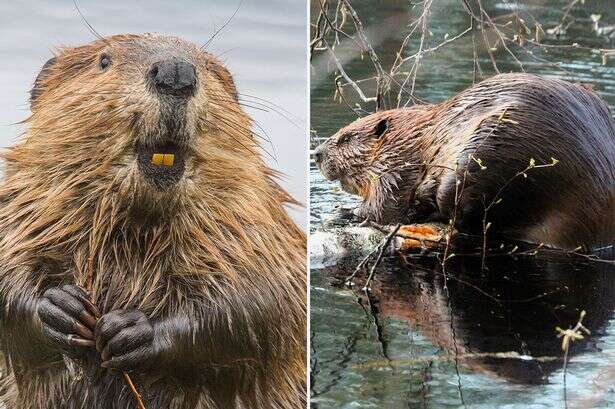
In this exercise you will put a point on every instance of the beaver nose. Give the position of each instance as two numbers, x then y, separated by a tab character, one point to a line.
175	77
318	154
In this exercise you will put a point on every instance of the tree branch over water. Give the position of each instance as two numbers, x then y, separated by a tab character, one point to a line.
514	34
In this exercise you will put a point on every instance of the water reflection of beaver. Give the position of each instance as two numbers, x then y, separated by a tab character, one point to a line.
430	162
139	174
502	322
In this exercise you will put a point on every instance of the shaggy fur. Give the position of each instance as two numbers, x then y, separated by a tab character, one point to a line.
216	251
406	163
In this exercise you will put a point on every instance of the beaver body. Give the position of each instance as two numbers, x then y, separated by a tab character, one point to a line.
536	155
184	272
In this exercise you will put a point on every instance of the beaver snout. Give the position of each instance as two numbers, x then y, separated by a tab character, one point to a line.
319	154
173	77
323	162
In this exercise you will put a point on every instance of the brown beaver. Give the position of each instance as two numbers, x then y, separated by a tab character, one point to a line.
537	154
139	179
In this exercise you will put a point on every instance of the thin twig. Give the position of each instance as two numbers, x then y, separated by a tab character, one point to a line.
359	267
136	393
568	336
131	385
385	243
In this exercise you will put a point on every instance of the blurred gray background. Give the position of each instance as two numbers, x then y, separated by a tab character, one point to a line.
264	46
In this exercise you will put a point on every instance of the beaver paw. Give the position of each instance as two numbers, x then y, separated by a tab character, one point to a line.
124	339
68	318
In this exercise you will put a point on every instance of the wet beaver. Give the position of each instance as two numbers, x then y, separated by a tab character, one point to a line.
139	180
537	154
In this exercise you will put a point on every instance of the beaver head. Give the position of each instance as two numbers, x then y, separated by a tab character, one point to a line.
372	154
148	116
346	155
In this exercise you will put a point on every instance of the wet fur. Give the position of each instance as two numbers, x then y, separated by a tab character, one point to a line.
217	250
409	174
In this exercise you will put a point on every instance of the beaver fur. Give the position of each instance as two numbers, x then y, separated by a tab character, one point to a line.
450	161
197	271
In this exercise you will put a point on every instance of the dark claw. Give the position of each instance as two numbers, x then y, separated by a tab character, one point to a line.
68	318
105	355
83	331
141	357
82	295
88	319
79	342
91	308
70	343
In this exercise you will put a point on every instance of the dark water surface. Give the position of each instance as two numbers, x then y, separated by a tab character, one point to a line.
263	46
425	338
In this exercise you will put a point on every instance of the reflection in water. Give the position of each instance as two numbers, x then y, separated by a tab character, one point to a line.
500	323
507	309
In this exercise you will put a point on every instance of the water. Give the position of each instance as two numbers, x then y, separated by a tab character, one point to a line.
263	46
425	338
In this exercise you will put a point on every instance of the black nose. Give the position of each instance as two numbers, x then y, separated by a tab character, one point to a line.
175	77
318	154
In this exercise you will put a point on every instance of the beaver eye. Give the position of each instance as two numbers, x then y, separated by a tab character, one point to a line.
344	138
105	61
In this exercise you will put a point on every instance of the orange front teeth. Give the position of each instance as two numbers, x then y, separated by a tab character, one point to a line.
164	159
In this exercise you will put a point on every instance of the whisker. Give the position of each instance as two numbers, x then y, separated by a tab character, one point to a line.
92	30
257	106
235	125
264	100
266	138
261	107
204	46
231	135
289	116
226	52
275	154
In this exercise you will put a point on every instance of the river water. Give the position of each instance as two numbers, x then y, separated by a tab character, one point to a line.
463	338
263	47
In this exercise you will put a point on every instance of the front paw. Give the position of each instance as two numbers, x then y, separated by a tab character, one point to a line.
124	339
68	318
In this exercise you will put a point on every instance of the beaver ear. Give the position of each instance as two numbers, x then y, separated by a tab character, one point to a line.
37	89
381	127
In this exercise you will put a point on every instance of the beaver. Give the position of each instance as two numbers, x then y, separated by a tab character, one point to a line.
141	232
521	156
